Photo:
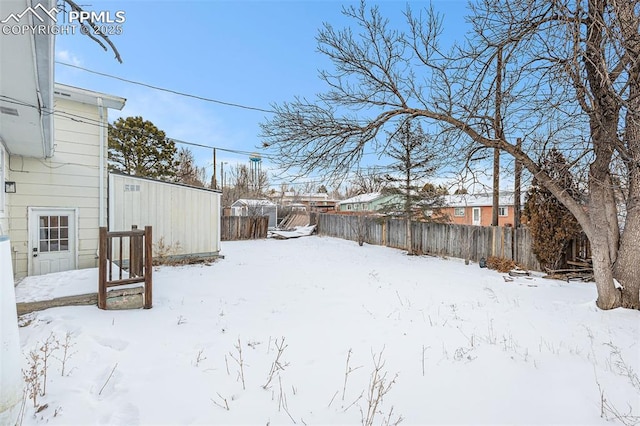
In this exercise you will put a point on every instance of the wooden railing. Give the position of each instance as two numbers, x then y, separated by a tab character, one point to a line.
139	262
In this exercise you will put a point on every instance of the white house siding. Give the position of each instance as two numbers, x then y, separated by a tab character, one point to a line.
68	179
4	174
179	214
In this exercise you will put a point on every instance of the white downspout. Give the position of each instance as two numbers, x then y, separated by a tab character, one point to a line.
101	204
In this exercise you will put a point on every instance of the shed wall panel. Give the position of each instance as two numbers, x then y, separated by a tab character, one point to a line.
186	219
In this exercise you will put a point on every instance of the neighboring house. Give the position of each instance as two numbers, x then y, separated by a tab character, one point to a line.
250	207
476	209
366	203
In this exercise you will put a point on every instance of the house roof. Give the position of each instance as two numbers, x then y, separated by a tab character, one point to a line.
363	198
26	66
478	200
85	96
128	176
291	194
252	203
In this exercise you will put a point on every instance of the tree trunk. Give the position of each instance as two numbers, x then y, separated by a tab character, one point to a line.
604	241
407	205
627	267
608	296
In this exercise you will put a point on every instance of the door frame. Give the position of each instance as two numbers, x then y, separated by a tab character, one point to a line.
473	219
31	212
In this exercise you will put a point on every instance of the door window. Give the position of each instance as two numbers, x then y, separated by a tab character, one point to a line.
53	233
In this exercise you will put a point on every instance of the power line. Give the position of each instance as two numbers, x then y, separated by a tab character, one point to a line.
162	89
233	151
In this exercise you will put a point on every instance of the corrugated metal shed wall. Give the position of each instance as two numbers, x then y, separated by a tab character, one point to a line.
182	215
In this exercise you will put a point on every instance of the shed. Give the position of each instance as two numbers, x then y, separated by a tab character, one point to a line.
252	207
185	217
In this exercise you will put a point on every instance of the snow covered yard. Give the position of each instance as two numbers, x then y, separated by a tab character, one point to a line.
283	332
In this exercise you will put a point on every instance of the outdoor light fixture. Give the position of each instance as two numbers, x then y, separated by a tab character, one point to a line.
10	187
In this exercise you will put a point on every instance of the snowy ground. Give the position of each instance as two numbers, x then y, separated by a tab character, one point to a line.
456	344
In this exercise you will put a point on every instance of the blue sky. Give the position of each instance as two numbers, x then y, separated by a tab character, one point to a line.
251	53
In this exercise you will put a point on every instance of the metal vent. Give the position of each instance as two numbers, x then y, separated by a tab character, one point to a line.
9	111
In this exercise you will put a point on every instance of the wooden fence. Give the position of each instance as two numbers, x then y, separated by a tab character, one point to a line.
243	227
140	261
462	241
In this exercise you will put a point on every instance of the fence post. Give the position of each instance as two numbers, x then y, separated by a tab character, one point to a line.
102	268
133	258
148	267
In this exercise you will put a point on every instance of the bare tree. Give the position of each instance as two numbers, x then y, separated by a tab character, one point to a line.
240	184
366	181
91	29
569	78
187	171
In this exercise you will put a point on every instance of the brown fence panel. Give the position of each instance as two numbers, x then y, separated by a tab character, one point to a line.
523	253
243	227
442	239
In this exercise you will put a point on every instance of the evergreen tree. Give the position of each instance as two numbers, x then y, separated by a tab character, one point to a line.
551	224
414	162
137	147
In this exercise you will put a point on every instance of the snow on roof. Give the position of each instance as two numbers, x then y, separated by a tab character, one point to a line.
291	194
478	200
253	203
362	198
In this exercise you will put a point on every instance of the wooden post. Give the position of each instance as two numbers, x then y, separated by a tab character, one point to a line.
133	254
120	262
148	267
102	268
516	202
109	258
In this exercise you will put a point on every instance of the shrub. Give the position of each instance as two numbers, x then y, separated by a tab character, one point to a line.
501	264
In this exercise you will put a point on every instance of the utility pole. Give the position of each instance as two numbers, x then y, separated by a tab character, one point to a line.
497	127
214	181
222	175
516	190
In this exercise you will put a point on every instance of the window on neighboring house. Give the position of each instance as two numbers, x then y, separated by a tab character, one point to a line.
364	207
458	211
503	211
348	206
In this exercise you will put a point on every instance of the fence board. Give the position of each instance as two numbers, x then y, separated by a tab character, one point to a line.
443	239
243	227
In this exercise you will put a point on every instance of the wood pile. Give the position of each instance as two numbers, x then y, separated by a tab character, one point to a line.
579	269
294	220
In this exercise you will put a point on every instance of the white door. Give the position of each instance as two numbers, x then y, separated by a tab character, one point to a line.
52	240
477	218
